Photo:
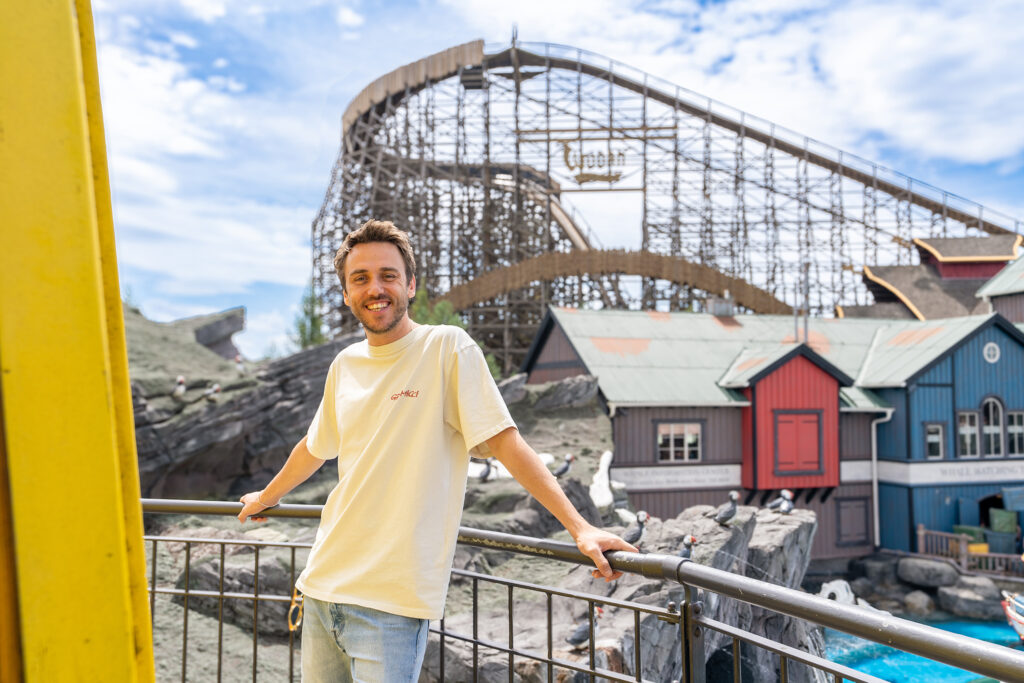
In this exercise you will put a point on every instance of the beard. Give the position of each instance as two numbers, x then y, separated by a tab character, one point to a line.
398	308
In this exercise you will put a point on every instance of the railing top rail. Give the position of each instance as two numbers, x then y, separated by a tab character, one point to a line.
987	659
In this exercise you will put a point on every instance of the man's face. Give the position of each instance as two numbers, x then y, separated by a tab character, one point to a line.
376	290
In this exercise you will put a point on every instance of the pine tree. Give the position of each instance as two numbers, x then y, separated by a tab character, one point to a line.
309	324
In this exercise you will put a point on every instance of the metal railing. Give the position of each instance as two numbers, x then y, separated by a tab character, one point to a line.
983	658
956	548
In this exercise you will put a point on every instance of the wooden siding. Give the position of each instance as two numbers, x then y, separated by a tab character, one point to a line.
668	504
892	435
832	530
799	384
556	360
977	379
747	474
968	271
634	434
855	436
894	507
1010	307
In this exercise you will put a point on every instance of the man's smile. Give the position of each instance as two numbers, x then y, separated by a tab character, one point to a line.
378	305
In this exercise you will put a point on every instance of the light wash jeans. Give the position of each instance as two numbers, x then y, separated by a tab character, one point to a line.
359	644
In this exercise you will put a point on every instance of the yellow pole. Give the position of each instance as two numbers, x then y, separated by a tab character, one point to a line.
67	421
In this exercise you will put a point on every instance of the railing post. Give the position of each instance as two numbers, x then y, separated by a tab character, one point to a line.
693	637
920	540
963	551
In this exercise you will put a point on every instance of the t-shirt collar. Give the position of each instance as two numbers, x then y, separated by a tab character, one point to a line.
395	346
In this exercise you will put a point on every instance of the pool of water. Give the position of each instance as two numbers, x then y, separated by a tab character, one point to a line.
899	667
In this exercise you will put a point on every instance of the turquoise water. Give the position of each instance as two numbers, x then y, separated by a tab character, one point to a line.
899	667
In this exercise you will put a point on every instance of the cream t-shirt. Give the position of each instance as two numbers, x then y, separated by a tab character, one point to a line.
401	419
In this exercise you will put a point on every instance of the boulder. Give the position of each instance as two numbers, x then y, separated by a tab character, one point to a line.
926	573
572	392
974	597
862	587
766	546
919	603
513	389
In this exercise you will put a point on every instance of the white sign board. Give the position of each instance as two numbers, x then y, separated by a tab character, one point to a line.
851	471
951	472
667	477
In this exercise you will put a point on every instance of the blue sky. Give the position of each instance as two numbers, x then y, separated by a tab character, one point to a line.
223	118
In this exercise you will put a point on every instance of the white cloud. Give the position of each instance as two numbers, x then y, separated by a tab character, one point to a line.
183	40
206	10
265	333
348	17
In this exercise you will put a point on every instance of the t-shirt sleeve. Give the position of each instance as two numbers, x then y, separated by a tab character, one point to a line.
322	439
475	407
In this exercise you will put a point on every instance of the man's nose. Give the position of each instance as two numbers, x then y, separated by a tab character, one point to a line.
376	286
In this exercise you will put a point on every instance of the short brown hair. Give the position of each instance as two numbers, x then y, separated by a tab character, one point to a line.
376	231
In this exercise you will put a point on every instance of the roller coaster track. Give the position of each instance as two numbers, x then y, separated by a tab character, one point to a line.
595	262
409	79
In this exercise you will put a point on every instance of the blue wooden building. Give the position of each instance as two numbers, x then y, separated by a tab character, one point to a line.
929	427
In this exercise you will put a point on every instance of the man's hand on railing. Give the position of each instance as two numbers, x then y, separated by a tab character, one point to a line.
252	506
593	542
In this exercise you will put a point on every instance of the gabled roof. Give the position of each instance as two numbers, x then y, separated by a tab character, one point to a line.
971	249
755	362
1009	280
697	359
923	292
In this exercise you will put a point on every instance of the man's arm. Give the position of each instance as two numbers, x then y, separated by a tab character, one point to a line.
299	467
526	466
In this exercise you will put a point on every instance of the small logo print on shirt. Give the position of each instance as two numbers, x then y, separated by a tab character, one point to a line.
408	392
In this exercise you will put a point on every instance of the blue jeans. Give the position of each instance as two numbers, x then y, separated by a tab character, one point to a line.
352	643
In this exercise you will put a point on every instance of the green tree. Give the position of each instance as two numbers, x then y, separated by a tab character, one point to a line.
442	313
309	324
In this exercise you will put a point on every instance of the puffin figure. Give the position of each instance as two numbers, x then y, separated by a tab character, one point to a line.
580	637
564	467
239	365
211	393
635	533
179	388
687	548
784	503
485	473
727	511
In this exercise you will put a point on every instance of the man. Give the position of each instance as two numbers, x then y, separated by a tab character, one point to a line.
401	412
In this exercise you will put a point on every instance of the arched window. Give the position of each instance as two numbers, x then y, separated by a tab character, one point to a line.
992	427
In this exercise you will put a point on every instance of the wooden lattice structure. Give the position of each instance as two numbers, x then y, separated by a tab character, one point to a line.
474	152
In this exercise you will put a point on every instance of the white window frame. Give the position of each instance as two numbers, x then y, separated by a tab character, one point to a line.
969	416
1014	432
680	452
992	434
928	432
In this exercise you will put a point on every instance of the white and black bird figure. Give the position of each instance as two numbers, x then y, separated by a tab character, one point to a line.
784	503
485	473
211	393
634	535
179	389
563	469
580	636
727	511
689	541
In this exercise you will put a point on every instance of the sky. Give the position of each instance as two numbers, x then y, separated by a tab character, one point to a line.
223	118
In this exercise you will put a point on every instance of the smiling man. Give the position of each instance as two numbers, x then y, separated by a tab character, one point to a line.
402	412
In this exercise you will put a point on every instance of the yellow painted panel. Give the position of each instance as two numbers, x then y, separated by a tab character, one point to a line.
61	391
117	349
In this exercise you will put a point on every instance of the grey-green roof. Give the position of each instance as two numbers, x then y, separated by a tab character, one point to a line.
1009	280
643	358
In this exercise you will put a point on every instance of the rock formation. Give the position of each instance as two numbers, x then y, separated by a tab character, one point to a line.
760	544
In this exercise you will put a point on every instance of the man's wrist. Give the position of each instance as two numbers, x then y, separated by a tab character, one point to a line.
264	500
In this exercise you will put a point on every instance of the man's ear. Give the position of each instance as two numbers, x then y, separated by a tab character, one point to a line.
412	288
344	296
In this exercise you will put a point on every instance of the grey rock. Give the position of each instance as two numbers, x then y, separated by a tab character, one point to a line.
572	392
239	577
926	573
215	334
880	571
919	603
974	597
237	444
513	389
862	587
